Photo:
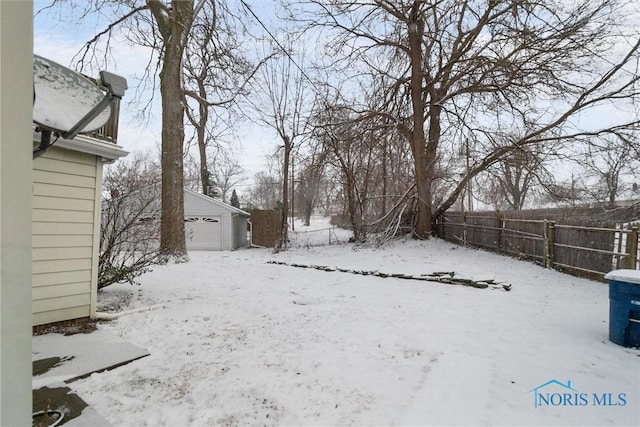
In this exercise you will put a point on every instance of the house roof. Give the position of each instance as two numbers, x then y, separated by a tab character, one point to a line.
154	189
217	202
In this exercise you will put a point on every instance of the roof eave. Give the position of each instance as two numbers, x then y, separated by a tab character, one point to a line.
86	144
219	203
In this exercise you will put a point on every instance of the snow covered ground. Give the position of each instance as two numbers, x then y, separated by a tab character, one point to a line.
244	342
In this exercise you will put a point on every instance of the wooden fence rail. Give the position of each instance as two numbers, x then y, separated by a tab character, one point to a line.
586	250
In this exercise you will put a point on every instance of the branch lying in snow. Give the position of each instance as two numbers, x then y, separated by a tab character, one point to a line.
447	277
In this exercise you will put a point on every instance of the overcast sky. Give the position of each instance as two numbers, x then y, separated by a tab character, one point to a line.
59	35
58	38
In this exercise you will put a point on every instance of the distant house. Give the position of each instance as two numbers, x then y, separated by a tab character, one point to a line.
213	225
67	189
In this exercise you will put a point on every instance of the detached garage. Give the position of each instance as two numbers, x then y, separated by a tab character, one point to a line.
212	225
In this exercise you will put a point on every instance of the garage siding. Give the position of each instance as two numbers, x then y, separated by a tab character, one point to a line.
240	231
63	240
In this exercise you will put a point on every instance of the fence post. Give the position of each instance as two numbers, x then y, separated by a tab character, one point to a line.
549	240
632	245
545	244
498	226
464	227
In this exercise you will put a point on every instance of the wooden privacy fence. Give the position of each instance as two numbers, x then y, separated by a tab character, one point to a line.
265	227
583	249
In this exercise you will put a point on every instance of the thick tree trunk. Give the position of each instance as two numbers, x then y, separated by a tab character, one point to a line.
174	29
308	210
383	210
354	214
205	176
285	191
202	143
423	168
172	240
431	159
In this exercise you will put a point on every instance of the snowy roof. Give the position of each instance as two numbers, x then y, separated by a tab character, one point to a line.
154	191
217	202
63	97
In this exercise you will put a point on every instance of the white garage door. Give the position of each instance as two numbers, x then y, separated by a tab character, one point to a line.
204	233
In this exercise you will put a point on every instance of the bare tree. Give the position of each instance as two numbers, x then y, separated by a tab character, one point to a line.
191	172
510	182
310	180
282	86
607	160
130	227
216	72
266	191
567	192
482	68
225	170
165	26
173	23
354	146
370	155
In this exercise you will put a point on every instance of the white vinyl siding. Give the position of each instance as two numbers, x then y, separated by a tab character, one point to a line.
65	187
59	278
239	230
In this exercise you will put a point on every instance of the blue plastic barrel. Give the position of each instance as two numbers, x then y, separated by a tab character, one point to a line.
624	307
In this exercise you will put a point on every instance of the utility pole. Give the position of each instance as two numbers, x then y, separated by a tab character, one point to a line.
469	183
293	183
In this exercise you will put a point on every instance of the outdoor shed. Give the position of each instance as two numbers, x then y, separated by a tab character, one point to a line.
213	225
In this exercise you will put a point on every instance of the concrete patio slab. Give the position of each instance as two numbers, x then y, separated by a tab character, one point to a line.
61	359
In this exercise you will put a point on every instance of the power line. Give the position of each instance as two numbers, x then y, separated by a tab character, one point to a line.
286	52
